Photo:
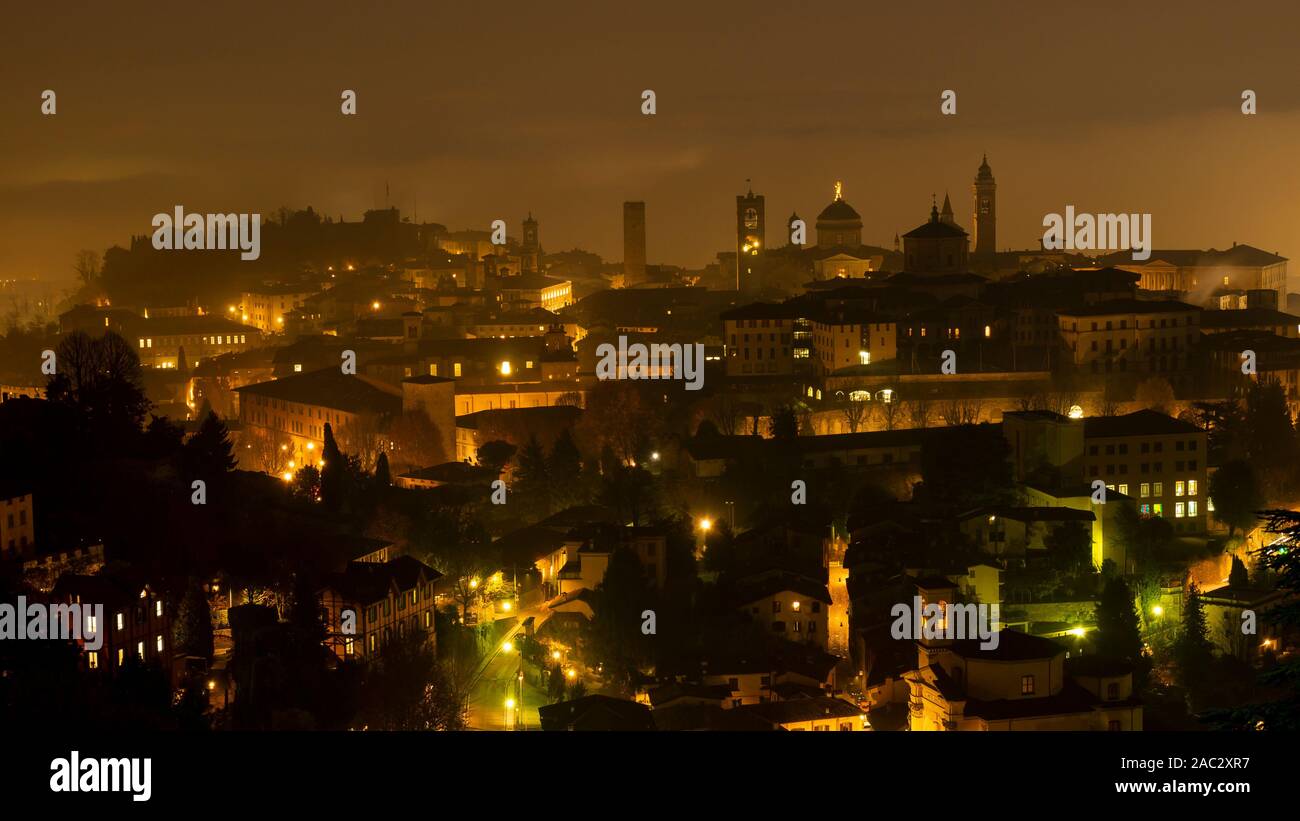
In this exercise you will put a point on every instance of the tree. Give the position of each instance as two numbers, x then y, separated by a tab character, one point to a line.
1069	547
960	412
1238	576
919	412
890	413
1193	651
406	689
533	479
619	600
495	454
967	467
1118	634
208	453
87	266
564	467
192	629
362	439
306	483
1269	435
854	413
1236	495
1144	538
382	478
100	379
1281	713
334	473
1155	393
417	441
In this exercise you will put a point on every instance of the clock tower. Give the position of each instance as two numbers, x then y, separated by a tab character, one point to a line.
751	238
986	217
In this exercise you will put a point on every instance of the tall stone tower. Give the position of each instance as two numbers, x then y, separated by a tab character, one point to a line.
751	238
532	247
986	217
633	243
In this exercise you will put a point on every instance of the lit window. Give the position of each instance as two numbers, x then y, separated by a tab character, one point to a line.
139	649
1146	489
92	659
159	643
1179	488
456	369
1191	509
121	657
157	608
1123	489
1158	509
1191	487
1180	510
1160	489
1026	685
120	621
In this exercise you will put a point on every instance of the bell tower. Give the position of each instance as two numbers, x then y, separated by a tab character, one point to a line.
986	217
751	238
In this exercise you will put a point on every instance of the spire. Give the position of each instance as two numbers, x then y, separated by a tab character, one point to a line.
934	209
946	214
839	191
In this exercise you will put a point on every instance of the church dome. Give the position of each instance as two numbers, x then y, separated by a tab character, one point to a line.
838	210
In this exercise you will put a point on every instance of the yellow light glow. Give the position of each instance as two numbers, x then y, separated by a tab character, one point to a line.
706	524
555	654
1078	631
374	305
505	368
505	606
571	673
473	584
287	476
796	607
1076	412
508	647
1158	610
311	446
212	685
510	704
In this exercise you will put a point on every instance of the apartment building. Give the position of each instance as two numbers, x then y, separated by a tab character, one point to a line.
758	339
843	339
1131	336
139	628
17	524
372	603
1158	461
159	340
266	306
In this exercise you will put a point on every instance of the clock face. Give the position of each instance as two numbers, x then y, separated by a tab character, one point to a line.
751	218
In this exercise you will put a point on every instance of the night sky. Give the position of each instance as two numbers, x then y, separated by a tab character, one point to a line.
483	111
